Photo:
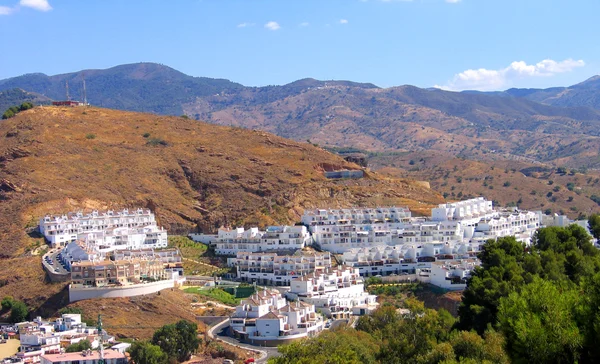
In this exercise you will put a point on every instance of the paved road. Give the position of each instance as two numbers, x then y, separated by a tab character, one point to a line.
219	332
55	267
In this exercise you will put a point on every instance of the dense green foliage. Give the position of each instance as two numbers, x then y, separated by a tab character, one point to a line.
18	312
390	336
339	346
594	225
544	299
80	346
14	110
7	303
178	341
143	352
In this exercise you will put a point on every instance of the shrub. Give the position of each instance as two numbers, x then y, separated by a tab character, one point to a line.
146	135
7	303
18	312
90	136
155	142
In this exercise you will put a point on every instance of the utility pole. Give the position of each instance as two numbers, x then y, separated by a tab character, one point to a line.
67	87
101	336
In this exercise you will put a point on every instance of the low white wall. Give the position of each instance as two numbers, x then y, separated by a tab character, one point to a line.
84	293
203	238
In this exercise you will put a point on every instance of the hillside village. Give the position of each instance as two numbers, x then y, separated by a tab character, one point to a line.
109	254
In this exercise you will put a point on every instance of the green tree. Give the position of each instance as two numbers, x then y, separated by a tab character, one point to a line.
336	346
8	114
18	312
178	340
540	325
26	106
594	225
7	303
79	346
143	352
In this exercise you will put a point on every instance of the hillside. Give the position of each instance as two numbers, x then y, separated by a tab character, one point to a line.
586	93
17	96
407	118
192	174
508	183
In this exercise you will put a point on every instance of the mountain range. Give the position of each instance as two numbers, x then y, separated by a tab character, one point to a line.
559	126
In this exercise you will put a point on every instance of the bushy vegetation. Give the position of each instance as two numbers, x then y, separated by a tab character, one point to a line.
18	310
170	344
14	110
216	294
79	346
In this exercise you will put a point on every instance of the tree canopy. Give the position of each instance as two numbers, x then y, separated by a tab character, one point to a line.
178	341
143	352
79	346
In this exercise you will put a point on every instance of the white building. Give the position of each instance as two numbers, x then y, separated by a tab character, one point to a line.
467	221
290	238
39	338
108	231
339	293
450	275
355	216
267	318
278	270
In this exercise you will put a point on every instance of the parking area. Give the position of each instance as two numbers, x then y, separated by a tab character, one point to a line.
52	264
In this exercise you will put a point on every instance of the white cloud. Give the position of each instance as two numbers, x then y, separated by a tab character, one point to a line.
41	5
488	80
244	25
343	21
453	1
304	24
5	10
272	25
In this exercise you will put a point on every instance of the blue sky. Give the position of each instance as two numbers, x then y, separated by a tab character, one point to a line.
464	44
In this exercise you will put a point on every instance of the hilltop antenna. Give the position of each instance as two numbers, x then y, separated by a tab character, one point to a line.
84	92
67	88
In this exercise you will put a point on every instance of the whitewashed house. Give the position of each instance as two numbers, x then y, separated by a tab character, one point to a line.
338	293
267	319
108	230
278	270
290	238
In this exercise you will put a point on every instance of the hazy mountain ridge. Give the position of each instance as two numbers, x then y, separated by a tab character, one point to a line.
347	114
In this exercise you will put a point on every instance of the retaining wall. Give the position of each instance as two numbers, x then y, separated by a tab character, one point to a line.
84	293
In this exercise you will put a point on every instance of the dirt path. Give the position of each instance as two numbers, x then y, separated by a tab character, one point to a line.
10	348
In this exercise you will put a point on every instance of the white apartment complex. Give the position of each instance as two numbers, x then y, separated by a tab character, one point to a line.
467	221
278	270
267	318
339	293
355	216
108	230
232	241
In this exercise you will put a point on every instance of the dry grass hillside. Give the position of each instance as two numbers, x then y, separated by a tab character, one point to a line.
407	118
192	174
509	182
